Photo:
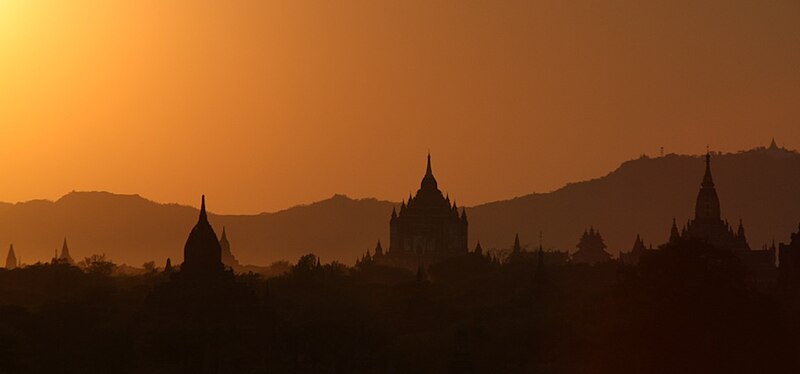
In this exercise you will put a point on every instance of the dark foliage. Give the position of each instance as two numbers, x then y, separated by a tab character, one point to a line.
686	308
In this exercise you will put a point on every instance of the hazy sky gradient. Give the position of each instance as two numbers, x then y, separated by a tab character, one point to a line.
263	105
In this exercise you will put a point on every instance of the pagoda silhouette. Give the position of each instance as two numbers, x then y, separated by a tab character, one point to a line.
428	225
708	227
11	259
200	313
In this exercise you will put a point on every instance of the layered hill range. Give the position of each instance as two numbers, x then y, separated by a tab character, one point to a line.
760	186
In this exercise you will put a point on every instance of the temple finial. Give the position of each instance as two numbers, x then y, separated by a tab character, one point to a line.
429	171
708	180
203	215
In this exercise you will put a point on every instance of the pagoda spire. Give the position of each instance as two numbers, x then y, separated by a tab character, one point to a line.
203	214
707	207
429	181
708	180
740	231
65	256
539	275
517	246
11	259
429	170
674	235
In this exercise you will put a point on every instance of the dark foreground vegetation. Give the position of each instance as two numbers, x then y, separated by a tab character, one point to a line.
685	309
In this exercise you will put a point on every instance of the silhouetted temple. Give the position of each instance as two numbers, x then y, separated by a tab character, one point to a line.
65	256
201	311
202	253
227	256
709	227
11	259
428	225
591	248
635	254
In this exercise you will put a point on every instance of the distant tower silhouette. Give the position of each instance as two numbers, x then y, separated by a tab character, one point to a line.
202	253
65	256
539	276
11	259
707	207
378	249
591	248
707	225
674	234
517	249
478	248
228	259
168	266
633	257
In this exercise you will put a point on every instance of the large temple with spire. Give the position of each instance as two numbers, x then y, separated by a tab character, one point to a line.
427	226
709	227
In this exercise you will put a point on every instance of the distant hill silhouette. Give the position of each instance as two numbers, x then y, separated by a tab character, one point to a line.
642	196
131	229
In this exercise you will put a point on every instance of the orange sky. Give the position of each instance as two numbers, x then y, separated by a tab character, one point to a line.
263	105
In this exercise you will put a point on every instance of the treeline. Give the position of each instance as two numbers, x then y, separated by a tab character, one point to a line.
685	308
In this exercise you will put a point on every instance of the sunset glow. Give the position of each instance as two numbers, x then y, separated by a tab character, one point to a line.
290	102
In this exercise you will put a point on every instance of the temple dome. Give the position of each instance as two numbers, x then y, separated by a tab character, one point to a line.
202	252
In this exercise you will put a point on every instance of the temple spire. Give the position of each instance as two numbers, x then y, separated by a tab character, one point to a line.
429	170
429	181
674	235
539	275
707	207
203	215
65	256
11	259
708	180
517	246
